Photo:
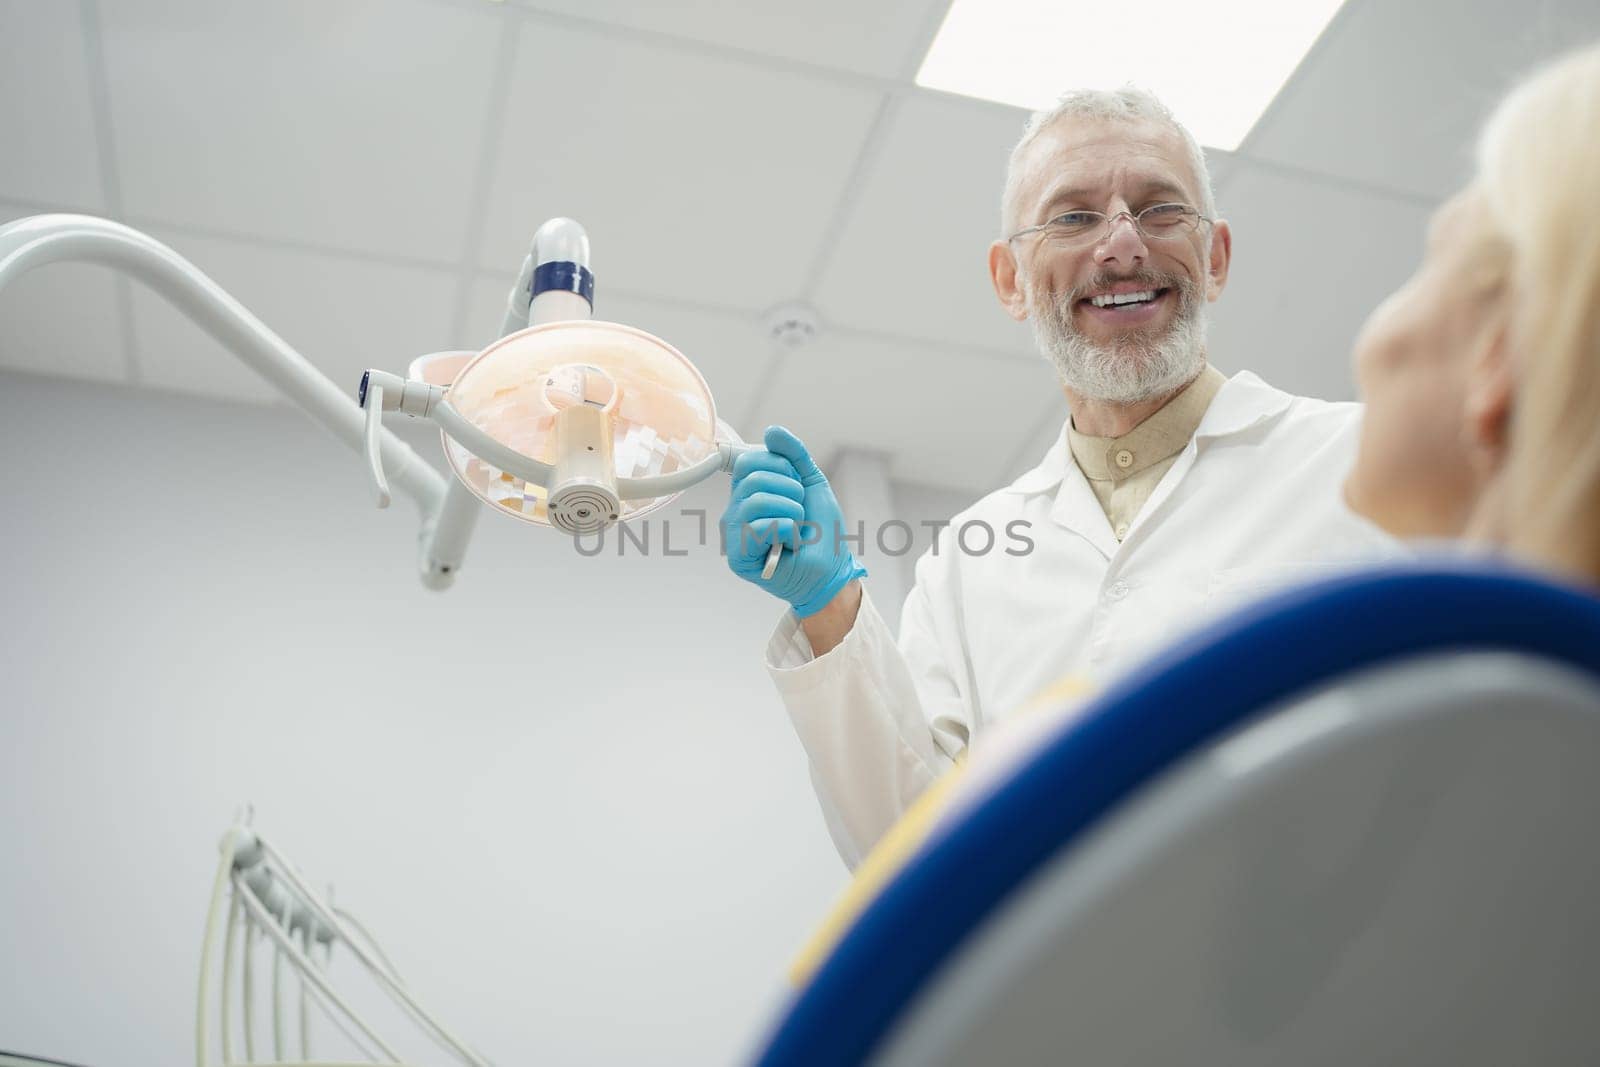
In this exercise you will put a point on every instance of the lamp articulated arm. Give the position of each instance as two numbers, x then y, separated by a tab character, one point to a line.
555	285
42	239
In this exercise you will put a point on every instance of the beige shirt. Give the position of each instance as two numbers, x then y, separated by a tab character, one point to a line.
1124	471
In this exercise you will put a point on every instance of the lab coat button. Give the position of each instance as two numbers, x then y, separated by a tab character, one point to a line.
1116	590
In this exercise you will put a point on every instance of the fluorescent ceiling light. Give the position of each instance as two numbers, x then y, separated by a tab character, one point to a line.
1216	64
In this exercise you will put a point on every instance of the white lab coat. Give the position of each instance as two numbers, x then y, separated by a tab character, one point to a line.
1254	501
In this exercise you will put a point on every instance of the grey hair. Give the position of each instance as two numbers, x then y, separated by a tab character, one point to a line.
1128	104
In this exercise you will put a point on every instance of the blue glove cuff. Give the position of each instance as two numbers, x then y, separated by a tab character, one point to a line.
843	577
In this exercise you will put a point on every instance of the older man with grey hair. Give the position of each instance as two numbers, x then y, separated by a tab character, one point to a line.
1171	492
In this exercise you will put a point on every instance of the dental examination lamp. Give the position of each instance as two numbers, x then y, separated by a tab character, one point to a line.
564	422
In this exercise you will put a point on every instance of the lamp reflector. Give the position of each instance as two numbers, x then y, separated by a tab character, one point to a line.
659	409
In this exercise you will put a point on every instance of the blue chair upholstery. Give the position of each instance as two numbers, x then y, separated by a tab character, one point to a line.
1181	702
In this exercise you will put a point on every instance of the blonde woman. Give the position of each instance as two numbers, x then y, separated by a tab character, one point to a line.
1482	374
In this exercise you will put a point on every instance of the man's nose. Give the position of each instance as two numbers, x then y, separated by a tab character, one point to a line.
1123	244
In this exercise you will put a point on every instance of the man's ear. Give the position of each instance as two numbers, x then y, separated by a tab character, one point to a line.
1491	391
1221	256
1007	282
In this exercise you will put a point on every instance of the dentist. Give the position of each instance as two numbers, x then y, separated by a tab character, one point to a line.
1171	492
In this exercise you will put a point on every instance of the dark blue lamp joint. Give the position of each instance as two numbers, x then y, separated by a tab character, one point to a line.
564	275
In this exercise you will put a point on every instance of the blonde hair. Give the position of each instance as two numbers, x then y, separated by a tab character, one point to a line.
1539	168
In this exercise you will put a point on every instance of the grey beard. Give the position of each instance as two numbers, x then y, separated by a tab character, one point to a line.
1131	368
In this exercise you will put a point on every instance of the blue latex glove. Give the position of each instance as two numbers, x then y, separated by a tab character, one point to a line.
778	492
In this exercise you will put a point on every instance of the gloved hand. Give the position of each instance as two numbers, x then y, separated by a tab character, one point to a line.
778	492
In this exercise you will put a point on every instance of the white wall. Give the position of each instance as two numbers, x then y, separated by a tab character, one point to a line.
564	793
890	552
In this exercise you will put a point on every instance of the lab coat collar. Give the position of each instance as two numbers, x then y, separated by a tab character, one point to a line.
1050	469
1243	401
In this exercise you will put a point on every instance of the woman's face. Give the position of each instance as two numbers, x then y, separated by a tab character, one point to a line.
1417	473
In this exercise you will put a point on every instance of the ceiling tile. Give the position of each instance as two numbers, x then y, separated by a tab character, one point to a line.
1219	165
46	123
1310	262
342	315
875	39
913	255
1395	95
61	319
354	125
699	178
947	419
728	348
486	308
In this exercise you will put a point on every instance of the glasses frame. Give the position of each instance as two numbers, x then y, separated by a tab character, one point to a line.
1108	221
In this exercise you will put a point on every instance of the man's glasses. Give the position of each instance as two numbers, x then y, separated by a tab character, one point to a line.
1158	222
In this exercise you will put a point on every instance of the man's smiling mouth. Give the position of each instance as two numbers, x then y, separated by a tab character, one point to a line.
1126	301
1144	296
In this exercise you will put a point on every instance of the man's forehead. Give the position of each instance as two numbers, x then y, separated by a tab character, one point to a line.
1075	149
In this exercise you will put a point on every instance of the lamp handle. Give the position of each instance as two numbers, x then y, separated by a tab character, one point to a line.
372	402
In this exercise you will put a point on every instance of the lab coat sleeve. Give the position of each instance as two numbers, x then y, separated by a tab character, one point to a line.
879	722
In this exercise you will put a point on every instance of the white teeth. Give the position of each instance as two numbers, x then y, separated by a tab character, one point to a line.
1113	299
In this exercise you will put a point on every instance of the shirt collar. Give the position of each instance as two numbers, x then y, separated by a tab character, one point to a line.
1159	437
1240	403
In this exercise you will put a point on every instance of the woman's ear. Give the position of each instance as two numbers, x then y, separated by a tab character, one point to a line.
1491	389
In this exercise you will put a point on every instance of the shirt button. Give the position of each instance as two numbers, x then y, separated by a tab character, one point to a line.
1116	590
1122	531
1124	458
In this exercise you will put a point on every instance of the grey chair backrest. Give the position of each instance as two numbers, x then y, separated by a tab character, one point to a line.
1354	824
